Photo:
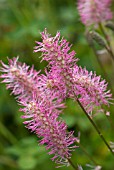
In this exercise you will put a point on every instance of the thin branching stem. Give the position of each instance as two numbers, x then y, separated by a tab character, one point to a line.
86	153
101	65
96	128
71	163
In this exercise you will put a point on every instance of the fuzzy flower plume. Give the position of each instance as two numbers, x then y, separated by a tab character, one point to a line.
20	79
55	51
66	78
25	83
91	89
93	12
41	109
44	123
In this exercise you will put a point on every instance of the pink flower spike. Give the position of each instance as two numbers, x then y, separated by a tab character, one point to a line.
52	131
91	89
20	79
92	12
55	51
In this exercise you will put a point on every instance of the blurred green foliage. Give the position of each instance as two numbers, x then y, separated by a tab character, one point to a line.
21	22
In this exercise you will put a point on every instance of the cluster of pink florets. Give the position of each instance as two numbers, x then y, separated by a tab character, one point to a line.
67	79
42	96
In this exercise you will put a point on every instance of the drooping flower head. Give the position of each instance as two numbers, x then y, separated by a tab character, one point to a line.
53	132
93	12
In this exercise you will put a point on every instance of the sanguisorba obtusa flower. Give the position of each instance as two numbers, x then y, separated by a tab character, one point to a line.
93	12
41	109
67	79
42	96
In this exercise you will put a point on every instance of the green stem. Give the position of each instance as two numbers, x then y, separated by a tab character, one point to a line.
96	128
71	163
86	153
101	66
